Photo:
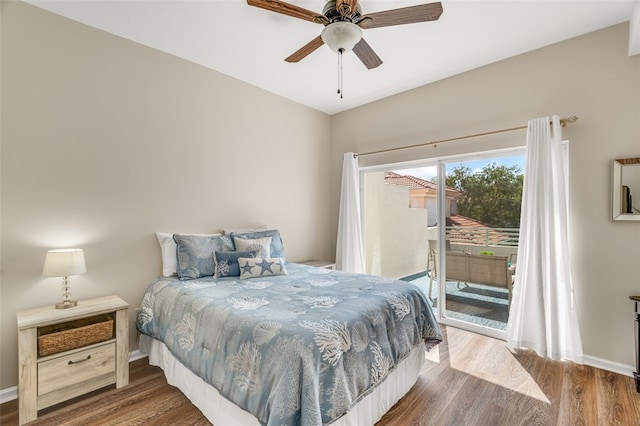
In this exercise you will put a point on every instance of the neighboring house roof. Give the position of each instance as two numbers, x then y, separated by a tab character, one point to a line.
465	230
471	231
408	181
412	182
458	220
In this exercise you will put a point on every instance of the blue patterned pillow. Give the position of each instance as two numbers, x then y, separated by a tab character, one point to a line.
277	248
227	262
195	254
261	267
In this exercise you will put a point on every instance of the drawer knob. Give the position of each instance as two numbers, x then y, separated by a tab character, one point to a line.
82	360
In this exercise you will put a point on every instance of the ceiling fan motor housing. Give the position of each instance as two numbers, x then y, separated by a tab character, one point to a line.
333	14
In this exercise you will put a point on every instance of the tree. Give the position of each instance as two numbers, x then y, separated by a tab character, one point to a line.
492	195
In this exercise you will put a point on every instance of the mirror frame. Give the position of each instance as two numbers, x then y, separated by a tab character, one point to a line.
616	182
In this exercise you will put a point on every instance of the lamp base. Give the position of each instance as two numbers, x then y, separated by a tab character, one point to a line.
66	304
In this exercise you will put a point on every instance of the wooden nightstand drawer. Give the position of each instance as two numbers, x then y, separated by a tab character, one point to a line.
67	370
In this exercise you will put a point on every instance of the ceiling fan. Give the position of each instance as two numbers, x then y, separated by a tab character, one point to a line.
343	23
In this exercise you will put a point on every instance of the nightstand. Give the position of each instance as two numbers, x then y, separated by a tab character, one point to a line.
49	375
320	264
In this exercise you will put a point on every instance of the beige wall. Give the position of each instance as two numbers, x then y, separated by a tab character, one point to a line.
105	142
395	235
590	76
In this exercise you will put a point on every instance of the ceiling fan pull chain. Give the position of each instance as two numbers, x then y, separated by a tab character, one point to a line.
340	51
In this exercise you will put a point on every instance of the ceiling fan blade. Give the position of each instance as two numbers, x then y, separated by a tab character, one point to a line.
404	15
305	50
287	9
366	54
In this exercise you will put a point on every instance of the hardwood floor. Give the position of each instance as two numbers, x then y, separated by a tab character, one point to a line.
468	380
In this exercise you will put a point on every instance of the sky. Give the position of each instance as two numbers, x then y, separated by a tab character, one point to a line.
427	173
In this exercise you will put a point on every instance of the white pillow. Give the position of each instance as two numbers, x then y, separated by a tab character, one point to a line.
168	250
228	231
261	245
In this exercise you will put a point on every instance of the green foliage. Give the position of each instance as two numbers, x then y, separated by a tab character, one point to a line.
493	195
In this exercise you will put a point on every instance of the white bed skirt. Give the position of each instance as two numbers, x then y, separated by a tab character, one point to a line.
222	412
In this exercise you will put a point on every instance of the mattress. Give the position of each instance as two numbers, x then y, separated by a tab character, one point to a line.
297	349
221	412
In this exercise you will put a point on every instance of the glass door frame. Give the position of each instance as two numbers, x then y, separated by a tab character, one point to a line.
441	163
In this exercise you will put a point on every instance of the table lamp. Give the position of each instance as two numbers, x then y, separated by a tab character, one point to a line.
64	263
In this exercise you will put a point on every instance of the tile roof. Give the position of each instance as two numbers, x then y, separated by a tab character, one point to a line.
408	181
466	230
412	182
458	220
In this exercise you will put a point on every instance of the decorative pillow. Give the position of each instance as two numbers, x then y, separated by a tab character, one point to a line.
261	267
260	245
227	262
277	248
168	250
195	254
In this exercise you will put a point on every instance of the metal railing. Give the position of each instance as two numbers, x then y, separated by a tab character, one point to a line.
498	237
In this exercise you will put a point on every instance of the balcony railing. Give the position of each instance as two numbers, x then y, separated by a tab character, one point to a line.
498	237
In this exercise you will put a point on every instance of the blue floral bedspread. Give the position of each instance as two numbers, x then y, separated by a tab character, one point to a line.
297	349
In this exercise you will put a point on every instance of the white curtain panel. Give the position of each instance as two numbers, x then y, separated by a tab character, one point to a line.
543	314
349	253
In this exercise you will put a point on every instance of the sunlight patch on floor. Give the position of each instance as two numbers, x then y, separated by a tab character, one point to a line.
517	379
489	363
433	355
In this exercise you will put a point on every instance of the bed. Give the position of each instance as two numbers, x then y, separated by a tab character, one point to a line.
289	344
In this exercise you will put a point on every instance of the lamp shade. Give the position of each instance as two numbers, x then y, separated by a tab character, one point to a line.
341	35
64	263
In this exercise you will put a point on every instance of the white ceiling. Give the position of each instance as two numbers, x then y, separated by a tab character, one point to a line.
250	44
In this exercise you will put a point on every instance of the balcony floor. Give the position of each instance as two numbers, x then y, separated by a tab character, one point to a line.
474	303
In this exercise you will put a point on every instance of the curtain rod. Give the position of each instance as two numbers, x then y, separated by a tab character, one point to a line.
563	122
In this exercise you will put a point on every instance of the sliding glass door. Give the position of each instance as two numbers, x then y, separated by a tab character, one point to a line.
468	209
481	230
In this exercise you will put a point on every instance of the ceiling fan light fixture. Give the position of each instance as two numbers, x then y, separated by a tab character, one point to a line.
341	35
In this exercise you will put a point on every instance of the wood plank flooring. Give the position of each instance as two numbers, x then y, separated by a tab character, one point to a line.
468	380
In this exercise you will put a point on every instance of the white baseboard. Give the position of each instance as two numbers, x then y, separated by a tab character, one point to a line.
9	394
603	364
136	355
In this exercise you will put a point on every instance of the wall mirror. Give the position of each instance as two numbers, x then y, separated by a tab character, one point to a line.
625	189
